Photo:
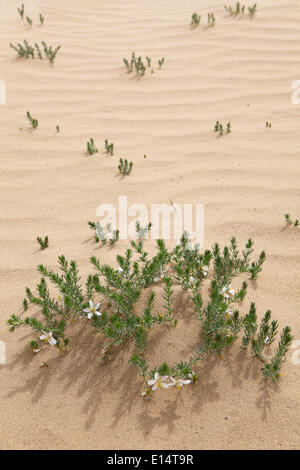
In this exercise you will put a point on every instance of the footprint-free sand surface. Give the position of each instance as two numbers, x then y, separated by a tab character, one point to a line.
239	71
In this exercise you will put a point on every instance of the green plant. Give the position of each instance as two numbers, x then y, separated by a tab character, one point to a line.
57	129
118	318
161	62
21	11
125	167
25	50
49	52
104	234
240	10
289	221
34	122
220	128
268	124
252	10
29	21
91	147
42	19
44	243
38	50
211	20
109	147
196	19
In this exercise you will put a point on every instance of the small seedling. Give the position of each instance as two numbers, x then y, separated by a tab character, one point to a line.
252	10
21	11
289	221
195	20
57	129
125	167
49	52
38	50
239	10
211	20
34	122
42	19
220	128
142	231
109	147
148	59
29	21
268	124
25	305
91	147
161	62
43	243
104	233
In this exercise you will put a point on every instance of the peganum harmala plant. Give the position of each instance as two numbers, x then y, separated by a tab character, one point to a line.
121	322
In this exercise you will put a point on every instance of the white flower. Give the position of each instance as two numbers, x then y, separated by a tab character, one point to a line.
48	338
204	270
120	270
227	292
228	313
158	382
179	382
92	309
192	280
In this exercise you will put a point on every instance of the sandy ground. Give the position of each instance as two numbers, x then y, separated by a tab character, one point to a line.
239	71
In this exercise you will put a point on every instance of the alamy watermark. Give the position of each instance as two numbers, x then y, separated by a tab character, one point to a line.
296	94
168	221
2	92
2	352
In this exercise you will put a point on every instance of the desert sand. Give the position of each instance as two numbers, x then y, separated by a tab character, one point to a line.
239	71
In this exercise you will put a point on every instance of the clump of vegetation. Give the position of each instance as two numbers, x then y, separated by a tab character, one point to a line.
42	19
196	19
137	64
91	148
221	129
44	243
239	10
27	51
125	167
109	147
34	122
57	129
268	124
108	301
23	50
49	52
104	234
289	221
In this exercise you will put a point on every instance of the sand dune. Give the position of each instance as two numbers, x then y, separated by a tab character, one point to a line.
239	71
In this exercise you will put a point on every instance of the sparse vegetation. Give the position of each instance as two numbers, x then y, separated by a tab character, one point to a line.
91	148
44	243
219	127
27	51
34	122
109	147
125	167
289	221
